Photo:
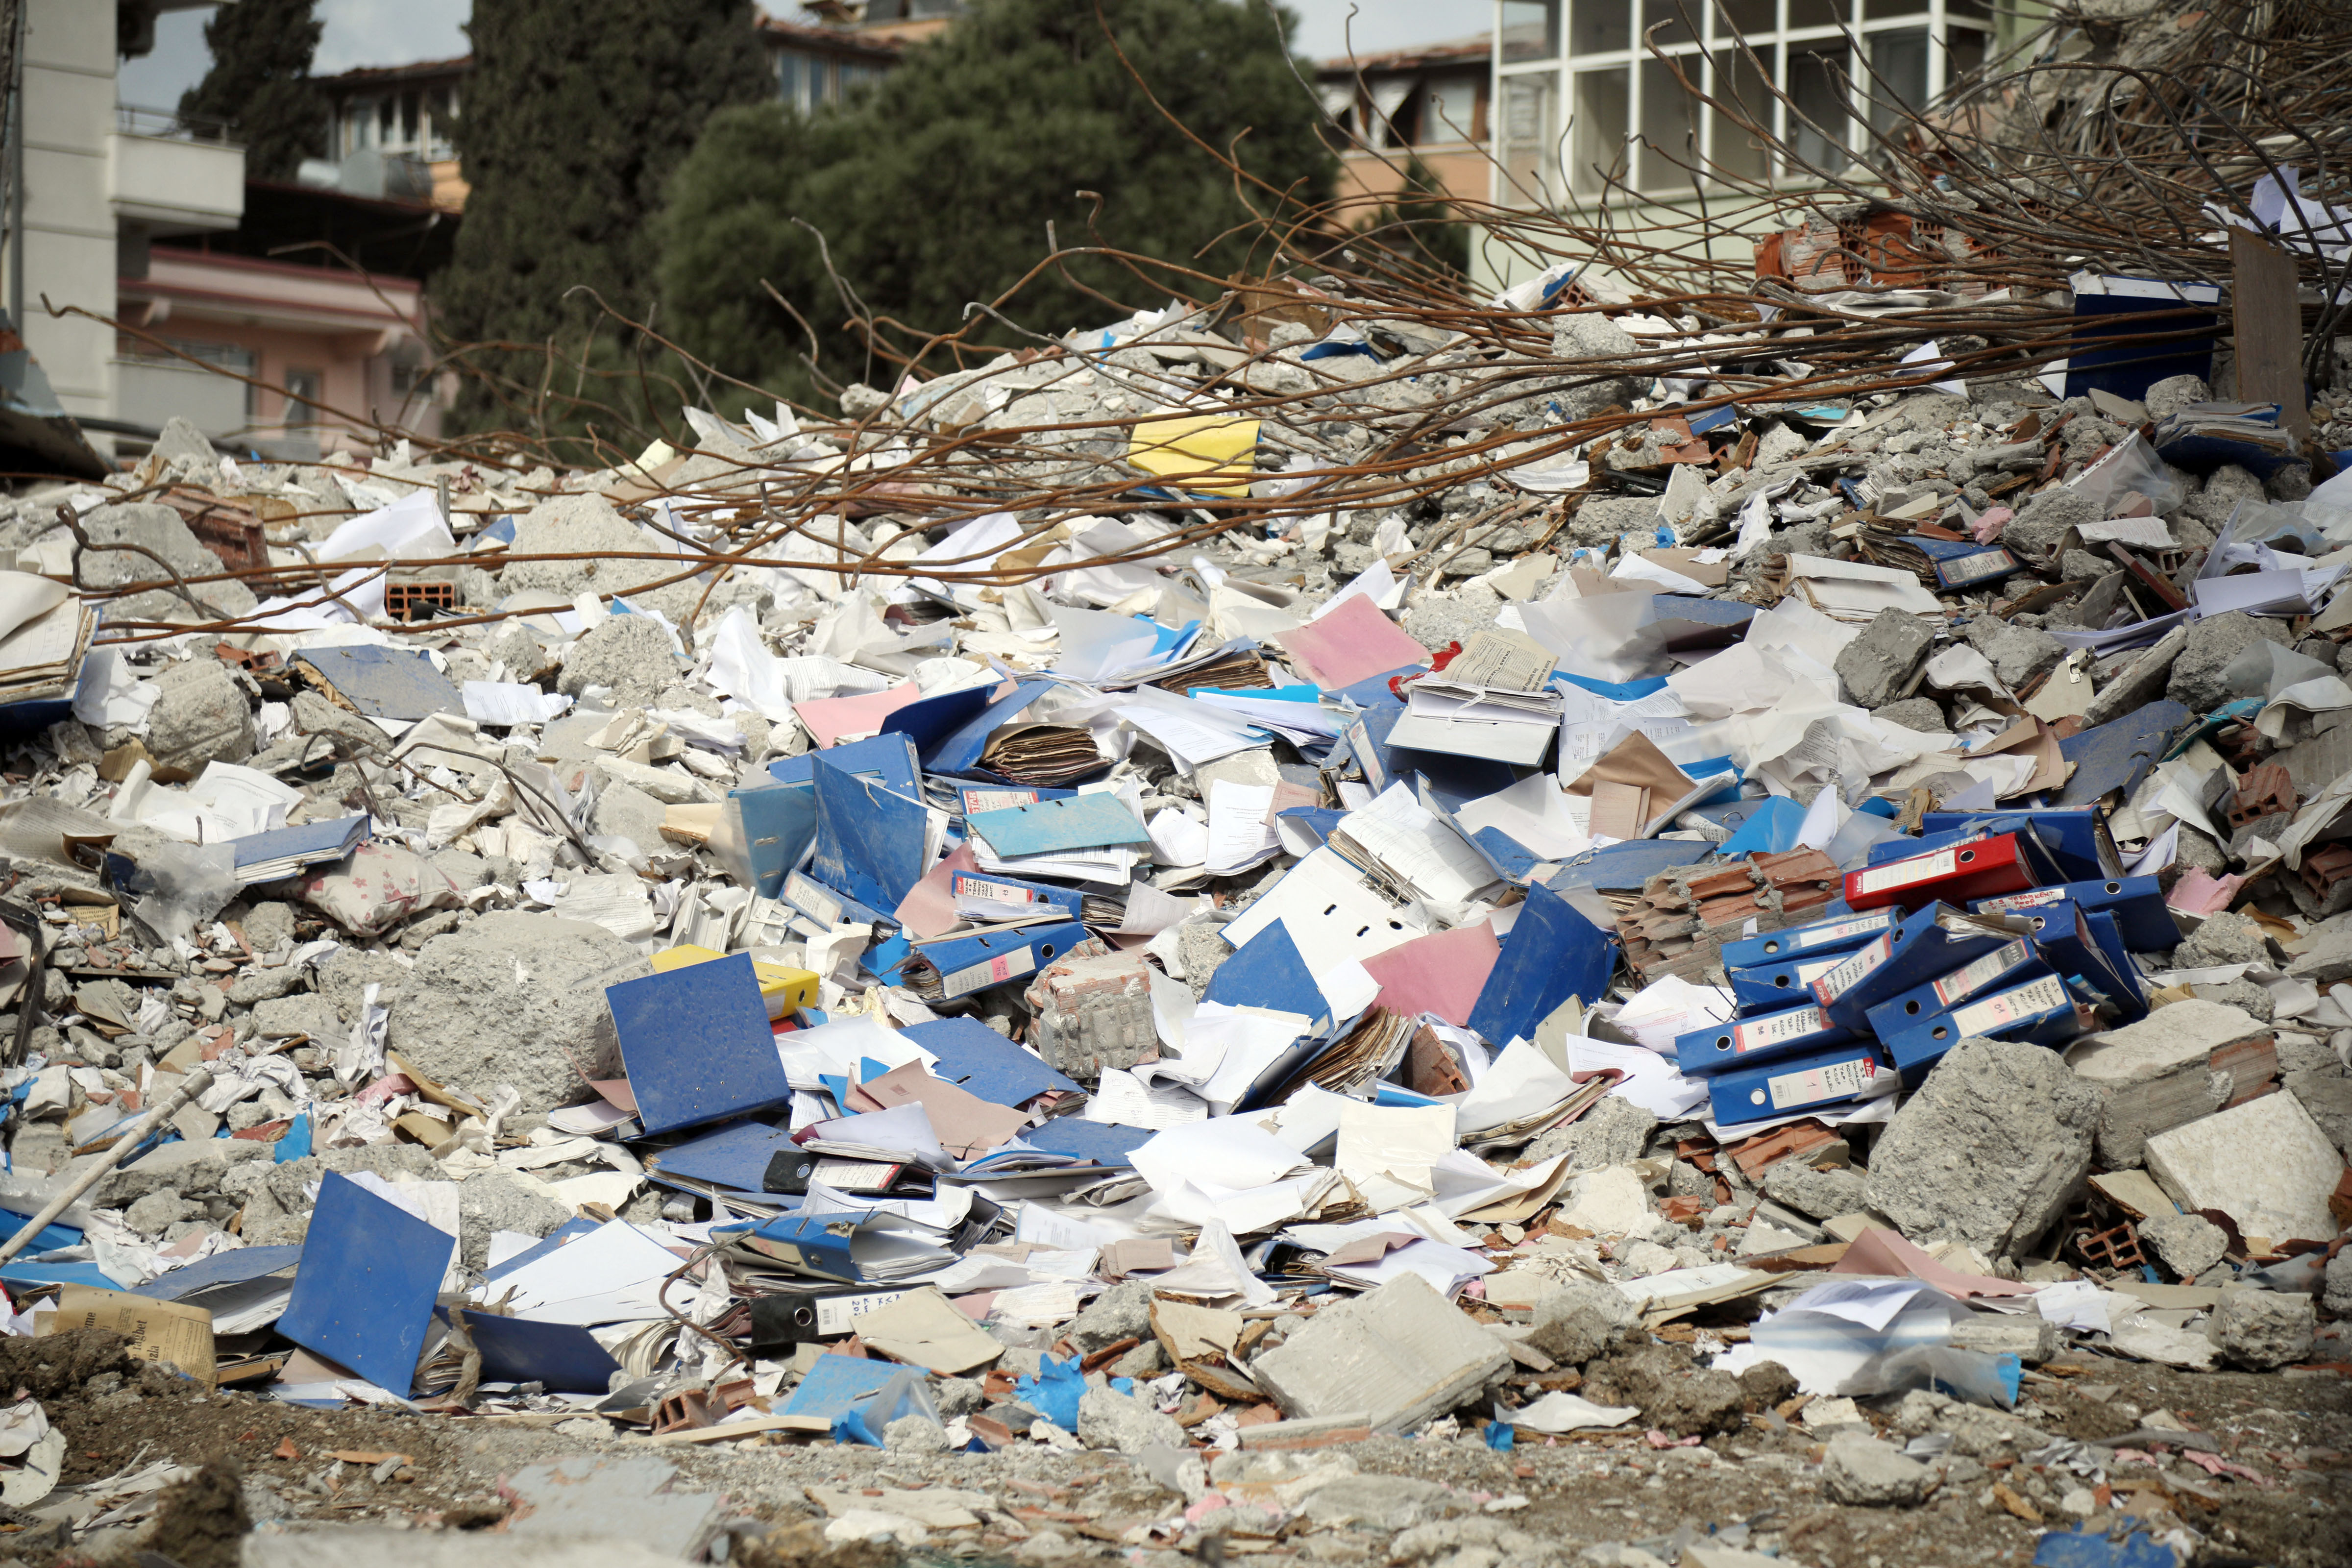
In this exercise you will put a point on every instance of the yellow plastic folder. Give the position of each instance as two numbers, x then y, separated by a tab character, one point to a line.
781	988
1210	454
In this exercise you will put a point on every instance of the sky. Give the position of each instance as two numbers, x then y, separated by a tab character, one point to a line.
397	32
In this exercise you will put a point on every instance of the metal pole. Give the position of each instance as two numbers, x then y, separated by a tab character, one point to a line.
195	1084
16	168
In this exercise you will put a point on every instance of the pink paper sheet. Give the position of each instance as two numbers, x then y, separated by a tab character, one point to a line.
1442	973
929	908
830	717
1354	641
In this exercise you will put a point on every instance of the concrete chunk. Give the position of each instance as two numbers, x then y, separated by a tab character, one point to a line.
516	998
2168	1068
1402	1354
2265	1164
2262	1329
1875	667
1989	1148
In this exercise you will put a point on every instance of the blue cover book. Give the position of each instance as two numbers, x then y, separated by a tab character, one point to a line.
563	1356
697	1044
979	1060
1553	953
734	1156
869	838
364	1290
779	826
310	844
949	731
1267	972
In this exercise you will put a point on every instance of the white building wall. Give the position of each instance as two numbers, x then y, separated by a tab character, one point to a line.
69	238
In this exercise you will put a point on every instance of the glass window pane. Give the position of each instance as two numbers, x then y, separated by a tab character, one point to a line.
1672	12
1878	10
1818	131
1898	63
1529	140
1669	125
1980	9
1530	30
1601	26
1739	87
1597	138
1819	13
1742	17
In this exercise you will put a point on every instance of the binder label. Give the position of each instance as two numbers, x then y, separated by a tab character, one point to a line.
987	971
1999	1012
1814	1085
996	893
1814	936
1854	969
1902	873
2032	898
1777	1029
976	801
812	900
1961	982
1961	569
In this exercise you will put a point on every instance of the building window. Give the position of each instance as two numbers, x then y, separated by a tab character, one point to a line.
1529	150
304	388
1449	112
1788	67
1530	30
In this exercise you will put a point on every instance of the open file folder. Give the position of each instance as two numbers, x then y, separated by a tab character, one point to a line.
1478	722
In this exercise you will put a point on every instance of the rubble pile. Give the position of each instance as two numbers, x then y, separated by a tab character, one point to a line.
1561	876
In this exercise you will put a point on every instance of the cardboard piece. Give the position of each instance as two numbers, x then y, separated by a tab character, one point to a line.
158	1331
922	1327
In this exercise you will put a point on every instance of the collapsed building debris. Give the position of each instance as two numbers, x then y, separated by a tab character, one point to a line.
1214	896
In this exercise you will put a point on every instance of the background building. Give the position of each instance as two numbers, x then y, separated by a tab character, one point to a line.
1426	103
1587	118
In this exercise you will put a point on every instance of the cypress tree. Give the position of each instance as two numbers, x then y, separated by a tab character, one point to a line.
575	119
259	84
936	185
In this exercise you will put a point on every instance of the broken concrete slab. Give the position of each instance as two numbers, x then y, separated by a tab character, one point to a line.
1876	668
2140	682
2265	1164
1402	1355
201	715
2197	682
1862	1473
2179	1063
516	998
2262	1329
2186	1244
630	655
1615	1131
1576	1322
2329	1098
1989	1150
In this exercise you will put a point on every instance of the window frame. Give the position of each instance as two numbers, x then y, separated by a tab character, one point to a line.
1703	60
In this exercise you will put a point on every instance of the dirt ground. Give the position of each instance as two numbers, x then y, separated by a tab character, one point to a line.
2275	1489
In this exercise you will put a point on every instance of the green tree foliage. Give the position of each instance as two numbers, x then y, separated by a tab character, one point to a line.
936	187
576	117
260	86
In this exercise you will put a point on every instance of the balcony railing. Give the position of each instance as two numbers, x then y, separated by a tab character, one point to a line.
169	124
